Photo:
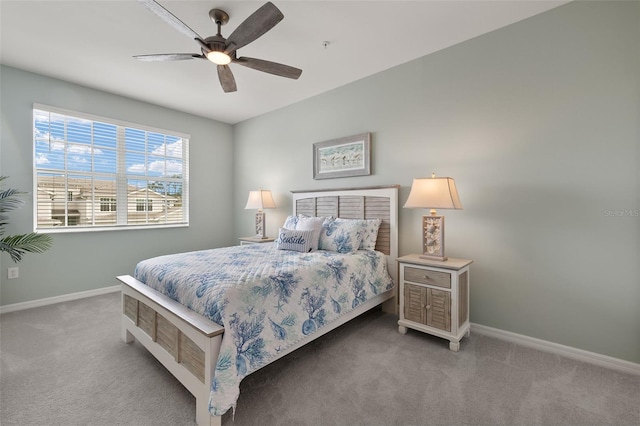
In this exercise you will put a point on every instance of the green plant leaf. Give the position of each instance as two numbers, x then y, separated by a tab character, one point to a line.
17	245
9	200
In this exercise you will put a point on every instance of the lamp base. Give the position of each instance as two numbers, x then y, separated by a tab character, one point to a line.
260	225
433	237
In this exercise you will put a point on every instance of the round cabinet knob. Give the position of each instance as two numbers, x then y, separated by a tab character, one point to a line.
426	277
428	307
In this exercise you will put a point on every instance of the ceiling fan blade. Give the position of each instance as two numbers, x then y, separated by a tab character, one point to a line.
227	81
270	67
169	57
261	21
170	18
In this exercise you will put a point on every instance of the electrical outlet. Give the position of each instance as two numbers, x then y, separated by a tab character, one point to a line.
12	273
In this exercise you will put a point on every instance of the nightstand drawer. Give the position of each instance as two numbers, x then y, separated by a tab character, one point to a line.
428	277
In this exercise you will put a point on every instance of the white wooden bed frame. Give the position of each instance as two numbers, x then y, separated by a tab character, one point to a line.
187	343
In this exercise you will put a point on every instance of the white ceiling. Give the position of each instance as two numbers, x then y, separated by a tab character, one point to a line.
91	42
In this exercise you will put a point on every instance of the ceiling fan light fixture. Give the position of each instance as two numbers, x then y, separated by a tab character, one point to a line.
220	50
219	58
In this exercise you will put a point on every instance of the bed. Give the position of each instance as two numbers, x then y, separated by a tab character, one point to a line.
205	356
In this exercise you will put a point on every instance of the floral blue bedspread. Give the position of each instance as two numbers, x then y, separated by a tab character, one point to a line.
267	299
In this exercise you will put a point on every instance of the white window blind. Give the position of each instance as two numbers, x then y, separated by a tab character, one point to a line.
95	173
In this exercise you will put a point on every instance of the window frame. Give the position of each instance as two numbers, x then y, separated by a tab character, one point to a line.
121	175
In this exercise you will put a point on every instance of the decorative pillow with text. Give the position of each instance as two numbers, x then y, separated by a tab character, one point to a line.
291	239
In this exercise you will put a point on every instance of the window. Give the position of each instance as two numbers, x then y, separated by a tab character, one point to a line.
96	173
143	205
107	204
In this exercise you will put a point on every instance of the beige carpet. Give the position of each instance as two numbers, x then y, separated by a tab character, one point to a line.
66	365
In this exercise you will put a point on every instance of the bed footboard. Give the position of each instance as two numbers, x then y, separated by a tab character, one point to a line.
187	344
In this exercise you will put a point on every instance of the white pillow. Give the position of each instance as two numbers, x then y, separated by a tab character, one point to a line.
311	223
340	236
291	239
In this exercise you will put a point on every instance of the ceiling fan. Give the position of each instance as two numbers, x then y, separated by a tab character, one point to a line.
222	51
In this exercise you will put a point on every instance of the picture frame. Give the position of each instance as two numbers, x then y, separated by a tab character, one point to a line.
343	157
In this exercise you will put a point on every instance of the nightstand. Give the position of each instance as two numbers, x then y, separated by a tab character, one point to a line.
255	240
434	297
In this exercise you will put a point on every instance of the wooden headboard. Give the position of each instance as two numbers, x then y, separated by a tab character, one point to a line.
377	202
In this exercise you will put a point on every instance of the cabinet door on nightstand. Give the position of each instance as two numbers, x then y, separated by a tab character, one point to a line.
427	306
438	309
415	298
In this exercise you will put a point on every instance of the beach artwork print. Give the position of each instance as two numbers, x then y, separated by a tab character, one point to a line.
342	157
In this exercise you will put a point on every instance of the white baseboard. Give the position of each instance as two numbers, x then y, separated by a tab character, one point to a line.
57	299
558	349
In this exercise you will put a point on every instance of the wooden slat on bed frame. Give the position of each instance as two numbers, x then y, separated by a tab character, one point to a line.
165	334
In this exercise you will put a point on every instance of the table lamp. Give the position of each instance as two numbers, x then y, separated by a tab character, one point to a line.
260	199
433	193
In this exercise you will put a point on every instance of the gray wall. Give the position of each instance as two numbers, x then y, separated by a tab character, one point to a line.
85	261
538	124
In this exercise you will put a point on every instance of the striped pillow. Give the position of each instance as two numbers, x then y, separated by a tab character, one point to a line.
290	239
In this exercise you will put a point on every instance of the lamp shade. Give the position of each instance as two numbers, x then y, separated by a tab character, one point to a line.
433	193
260	199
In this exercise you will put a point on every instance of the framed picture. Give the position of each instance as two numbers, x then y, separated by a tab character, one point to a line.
342	157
